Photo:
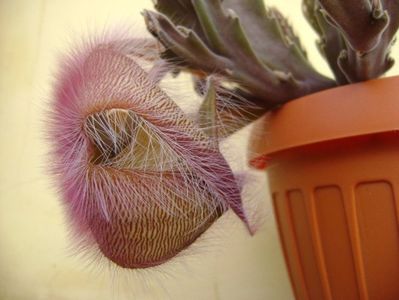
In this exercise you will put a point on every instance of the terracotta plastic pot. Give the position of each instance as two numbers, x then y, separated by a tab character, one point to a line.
332	161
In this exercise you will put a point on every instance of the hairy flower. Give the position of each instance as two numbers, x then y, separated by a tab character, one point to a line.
139	180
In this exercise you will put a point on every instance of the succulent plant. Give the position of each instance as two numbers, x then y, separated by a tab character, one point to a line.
255	47
140	179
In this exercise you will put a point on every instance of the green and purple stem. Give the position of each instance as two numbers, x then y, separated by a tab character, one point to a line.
255	47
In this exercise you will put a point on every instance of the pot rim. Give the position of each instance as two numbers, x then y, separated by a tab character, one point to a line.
358	109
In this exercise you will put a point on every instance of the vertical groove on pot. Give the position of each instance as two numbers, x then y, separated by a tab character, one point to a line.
316	241
379	238
303	239
353	228
290	248
335	240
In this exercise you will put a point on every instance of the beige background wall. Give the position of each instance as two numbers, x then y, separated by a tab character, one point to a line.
35	262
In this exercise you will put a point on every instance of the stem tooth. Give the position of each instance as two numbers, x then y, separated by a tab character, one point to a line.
377	9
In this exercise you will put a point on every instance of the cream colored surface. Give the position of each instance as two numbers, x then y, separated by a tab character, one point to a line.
34	259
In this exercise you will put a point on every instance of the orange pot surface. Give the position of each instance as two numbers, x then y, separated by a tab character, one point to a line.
333	169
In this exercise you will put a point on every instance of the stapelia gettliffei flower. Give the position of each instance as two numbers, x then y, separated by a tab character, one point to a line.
139	180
